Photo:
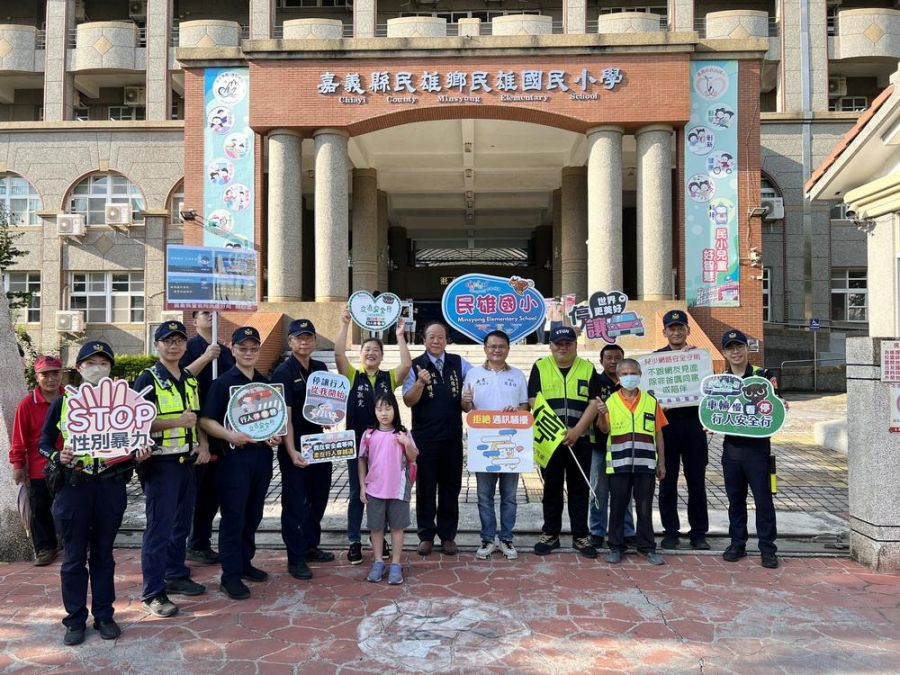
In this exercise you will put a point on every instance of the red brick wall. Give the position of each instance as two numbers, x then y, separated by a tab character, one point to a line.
283	93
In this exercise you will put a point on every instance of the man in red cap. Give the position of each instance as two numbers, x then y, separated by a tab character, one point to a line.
27	461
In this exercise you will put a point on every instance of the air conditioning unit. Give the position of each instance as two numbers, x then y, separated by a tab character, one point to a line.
70	225
118	214
70	322
837	87
774	208
137	10
134	96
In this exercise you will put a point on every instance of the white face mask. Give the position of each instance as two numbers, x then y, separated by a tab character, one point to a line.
630	382
93	374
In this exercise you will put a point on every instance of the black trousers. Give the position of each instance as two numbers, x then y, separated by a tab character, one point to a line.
743	468
205	506
43	529
622	487
304	497
685	445
562	469
438	483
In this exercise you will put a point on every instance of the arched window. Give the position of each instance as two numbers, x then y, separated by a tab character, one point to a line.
91	196
175	227
19	200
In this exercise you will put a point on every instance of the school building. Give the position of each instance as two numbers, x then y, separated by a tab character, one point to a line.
655	148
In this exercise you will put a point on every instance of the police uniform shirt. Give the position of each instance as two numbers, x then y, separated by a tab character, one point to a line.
216	404
50	431
293	376
747	442
196	347
145	380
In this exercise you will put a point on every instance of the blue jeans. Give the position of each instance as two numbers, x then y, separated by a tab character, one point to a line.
599	515
487	483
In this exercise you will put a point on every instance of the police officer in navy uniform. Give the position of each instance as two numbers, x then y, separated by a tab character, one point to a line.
168	476
201	352
686	444
745	463
244	472
304	488
88	508
433	389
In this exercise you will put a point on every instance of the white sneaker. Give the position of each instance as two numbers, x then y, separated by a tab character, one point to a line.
507	549
487	548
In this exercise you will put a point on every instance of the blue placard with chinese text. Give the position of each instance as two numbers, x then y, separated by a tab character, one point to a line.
476	304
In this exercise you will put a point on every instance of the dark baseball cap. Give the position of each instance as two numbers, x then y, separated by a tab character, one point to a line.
733	336
674	316
95	347
245	333
301	326
563	334
168	328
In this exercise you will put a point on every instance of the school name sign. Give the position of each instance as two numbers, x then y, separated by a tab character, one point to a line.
469	86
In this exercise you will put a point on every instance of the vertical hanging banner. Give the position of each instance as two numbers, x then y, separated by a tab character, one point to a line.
229	188
711	210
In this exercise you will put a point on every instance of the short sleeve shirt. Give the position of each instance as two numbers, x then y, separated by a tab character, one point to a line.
496	390
216	404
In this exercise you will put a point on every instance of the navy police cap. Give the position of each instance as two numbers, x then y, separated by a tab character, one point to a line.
675	316
168	328
245	333
300	327
89	349
733	336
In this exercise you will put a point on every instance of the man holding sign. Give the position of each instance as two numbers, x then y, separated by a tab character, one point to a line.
90	495
496	386
559	389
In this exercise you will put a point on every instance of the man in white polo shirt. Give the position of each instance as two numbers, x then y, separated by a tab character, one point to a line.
496	386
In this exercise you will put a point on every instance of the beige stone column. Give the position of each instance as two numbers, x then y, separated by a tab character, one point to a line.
365	13
365	230
332	164
573	222
154	259
262	18
604	187
557	242
681	16
285	215
158	82
574	16
654	212
59	85
383	252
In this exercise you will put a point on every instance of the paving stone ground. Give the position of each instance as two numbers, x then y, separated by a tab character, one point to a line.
559	614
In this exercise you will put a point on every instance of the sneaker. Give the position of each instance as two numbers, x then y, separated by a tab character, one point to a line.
236	590
376	573
614	556
386	550
205	556
45	557
252	573
700	544
584	546
734	553
546	543
185	586
487	548
769	560
395	575
109	630
161	606
508	550
596	541
300	570
654	558
354	553
425	548
74	635
669	541
318	555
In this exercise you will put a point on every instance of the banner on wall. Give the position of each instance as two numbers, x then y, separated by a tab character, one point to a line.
711	210
229	188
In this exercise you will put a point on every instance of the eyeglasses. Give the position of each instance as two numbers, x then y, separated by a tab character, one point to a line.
496	348
174	342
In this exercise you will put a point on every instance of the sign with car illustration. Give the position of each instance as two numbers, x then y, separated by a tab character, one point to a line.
603	317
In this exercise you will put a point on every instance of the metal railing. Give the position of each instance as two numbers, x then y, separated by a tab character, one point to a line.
40	40
175	34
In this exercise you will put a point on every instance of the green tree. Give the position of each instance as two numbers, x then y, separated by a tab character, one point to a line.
8	255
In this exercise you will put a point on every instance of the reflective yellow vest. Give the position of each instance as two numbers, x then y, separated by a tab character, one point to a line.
87	463
568	396
631	445
170	405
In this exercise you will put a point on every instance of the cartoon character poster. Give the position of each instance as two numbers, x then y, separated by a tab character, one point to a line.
711	187
740	407
229	187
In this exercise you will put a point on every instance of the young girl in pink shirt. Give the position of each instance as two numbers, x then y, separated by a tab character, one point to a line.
385	456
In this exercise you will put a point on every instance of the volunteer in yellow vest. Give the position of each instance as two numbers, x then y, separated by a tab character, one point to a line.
635	458
568	383
168	478
88	507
